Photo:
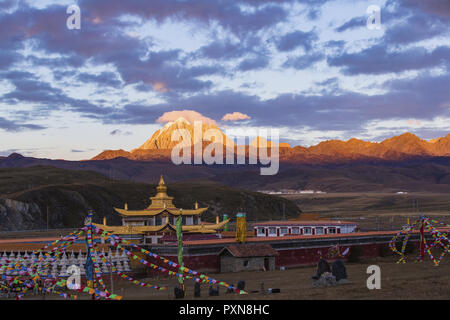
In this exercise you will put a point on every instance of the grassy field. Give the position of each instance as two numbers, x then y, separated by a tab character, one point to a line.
408	281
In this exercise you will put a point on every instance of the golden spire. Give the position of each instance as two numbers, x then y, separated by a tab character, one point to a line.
161	188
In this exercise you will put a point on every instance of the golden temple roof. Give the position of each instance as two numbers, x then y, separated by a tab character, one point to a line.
202	228
161	203
155	212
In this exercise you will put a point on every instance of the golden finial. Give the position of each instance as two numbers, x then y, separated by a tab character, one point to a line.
161	188
196	205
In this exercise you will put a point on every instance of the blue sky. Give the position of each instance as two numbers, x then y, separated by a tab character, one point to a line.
310	68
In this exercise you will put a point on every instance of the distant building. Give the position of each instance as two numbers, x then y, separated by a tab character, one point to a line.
291	191
247	257
300	227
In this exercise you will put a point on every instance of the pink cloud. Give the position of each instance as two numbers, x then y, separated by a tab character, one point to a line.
235	116
189	115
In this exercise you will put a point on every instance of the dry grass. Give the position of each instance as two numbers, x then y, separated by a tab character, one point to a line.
375	211
410	281
398	281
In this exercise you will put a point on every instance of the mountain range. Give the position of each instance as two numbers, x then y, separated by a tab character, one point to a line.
397	148
400	163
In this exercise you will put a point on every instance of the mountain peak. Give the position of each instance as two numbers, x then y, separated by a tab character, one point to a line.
407	143
409	135
403	138
162	138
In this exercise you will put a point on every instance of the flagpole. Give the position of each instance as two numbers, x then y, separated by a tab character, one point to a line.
89	262
179	229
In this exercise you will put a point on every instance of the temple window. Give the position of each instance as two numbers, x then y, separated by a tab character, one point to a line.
261	231
183	220
307	230
319	230
331	230
283	230
272	231
158	221
295	230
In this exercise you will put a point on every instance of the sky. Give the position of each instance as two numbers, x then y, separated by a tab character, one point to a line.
310	68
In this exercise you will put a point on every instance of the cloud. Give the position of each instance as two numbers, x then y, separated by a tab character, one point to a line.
259	62
102	79
45	98
7	58
14	126
437	7
420	98
379	59
228	14
303	61
189	115
235	116
102	44
407	21
296	39
234	37
221	49
356	22
118	132
416	27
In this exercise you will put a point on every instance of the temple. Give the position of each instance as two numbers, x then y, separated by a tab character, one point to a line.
158	220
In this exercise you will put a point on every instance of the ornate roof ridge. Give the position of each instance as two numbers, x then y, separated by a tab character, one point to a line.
142	229
157	211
